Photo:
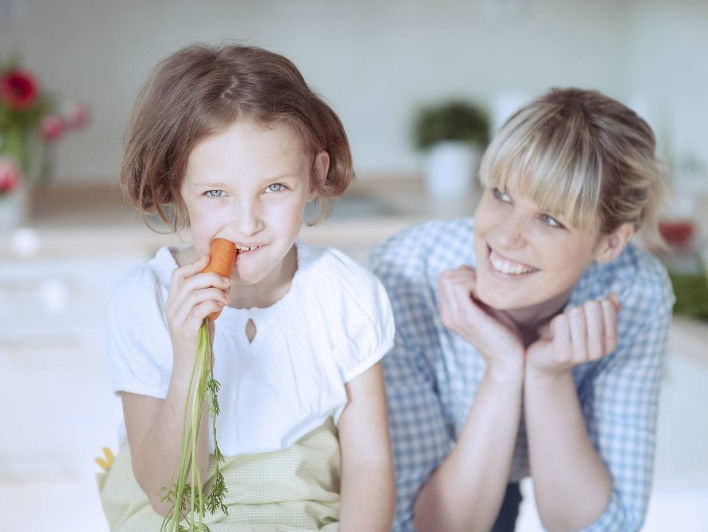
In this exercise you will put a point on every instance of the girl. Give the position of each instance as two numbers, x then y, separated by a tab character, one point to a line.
530	340
235	142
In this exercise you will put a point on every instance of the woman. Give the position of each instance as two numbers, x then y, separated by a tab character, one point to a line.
530	340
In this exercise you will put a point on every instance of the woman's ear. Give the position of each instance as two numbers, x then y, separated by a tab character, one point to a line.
610	246
320	168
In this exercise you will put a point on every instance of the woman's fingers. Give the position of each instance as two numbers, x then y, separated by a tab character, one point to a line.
595	330
578	335
609	315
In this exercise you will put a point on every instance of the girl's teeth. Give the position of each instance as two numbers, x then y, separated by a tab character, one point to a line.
509	268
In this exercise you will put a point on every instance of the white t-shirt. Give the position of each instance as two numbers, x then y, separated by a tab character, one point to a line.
333	325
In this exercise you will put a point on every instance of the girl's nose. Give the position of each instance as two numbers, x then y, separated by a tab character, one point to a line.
247	220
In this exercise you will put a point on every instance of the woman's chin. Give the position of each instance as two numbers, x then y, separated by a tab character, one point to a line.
498	299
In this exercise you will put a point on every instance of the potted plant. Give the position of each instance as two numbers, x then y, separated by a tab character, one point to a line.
454	135
30	125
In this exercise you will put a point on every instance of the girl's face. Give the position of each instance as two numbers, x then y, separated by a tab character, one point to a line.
249	184
526	257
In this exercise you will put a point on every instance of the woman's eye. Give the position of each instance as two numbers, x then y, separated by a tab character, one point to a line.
275	188
214	193
498	194
550	221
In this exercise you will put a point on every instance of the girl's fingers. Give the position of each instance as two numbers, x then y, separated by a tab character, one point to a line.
184	311
181	273
196	316
198	282
609	316
578	335
595	329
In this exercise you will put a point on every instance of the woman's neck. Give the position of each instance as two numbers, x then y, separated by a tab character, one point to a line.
532	320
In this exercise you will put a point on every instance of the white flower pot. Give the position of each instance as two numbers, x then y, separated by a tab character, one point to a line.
451	169
14	209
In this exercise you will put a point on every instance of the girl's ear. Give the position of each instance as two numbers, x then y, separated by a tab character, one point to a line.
320	168
610	246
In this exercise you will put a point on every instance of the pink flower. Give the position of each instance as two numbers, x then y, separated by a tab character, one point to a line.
52	127
75	114
9	175
18	89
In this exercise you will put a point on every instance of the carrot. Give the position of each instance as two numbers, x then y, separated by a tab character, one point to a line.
223	255
186	490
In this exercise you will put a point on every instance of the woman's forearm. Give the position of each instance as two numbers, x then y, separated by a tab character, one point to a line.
466	491
158	459
572	486
368	498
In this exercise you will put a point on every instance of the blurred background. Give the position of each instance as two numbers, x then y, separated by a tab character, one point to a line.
419	85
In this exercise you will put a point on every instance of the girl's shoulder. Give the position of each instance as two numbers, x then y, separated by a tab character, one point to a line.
144	283
331	273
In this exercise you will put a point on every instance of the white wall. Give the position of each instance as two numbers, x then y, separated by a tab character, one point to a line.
375	60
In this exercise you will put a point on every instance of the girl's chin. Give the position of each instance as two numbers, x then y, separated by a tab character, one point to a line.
499	300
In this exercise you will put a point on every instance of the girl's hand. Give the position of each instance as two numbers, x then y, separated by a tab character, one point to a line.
579	335
491	332
192	297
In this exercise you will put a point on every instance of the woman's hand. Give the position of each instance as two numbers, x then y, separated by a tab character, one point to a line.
579	335
192	297
491	332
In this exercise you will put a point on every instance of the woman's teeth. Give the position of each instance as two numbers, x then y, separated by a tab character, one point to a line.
245	248
509	267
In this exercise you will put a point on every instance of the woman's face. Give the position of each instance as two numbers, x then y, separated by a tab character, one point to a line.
526	257
249	184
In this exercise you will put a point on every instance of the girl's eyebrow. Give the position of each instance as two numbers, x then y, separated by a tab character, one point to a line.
225	185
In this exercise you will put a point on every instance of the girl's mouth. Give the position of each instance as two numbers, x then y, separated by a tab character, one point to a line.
245	251
507	267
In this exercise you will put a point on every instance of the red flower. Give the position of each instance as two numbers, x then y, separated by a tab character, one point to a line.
52	127
9	175
18	89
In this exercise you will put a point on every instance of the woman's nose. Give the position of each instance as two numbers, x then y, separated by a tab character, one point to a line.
511	232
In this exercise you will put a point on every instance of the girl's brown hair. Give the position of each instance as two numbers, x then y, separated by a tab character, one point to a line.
583	155
200	90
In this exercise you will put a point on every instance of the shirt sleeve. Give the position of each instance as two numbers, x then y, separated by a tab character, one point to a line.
364	310
620	408
138	346
419	434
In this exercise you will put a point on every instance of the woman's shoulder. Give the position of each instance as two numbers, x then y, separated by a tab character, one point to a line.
428	247
640	280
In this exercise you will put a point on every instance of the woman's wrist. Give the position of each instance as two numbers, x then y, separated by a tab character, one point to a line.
547	376
506	372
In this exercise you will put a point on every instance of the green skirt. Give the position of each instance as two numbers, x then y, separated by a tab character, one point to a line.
293	490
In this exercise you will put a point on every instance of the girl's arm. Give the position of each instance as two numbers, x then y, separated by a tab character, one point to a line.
591	457
154	430
368	490
154	426
466	491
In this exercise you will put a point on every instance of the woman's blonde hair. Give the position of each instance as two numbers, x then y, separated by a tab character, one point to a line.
201	90
584	156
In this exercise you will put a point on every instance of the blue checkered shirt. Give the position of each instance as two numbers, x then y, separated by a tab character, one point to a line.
432	374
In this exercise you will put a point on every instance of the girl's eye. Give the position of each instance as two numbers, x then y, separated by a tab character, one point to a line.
550	221
275	188
501	196
214	193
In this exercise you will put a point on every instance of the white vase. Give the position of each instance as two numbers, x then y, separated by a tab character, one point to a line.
15	209
451	169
